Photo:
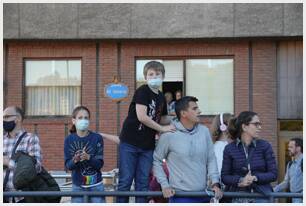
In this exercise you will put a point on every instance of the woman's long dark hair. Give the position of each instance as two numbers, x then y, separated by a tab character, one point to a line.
74	114
235	124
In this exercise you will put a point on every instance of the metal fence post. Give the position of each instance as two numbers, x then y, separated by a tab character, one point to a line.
271	198
85	198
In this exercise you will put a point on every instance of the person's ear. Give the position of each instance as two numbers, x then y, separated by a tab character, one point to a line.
183	113
19	118
299	148
73	121
243	126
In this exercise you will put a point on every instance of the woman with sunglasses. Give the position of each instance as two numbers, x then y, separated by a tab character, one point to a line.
248	162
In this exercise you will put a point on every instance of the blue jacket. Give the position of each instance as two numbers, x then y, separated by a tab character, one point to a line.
262	164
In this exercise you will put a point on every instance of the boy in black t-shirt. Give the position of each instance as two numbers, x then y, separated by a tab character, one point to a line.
137	139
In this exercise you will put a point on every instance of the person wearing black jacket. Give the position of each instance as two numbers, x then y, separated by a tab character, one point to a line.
27	179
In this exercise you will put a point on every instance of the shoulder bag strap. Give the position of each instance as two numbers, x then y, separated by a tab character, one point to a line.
13	153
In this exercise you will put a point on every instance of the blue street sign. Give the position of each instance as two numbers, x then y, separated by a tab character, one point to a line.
116	91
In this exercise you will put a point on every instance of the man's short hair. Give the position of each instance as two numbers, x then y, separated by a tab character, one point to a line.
298	142
19	111
183	104
155	65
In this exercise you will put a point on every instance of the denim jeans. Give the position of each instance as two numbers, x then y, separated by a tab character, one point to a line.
92	199
135	163
297	200
251	200
189	199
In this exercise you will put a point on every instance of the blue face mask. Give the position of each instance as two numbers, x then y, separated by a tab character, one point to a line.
155	83
82	124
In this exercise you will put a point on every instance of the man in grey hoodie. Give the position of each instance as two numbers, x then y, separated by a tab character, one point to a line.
189	154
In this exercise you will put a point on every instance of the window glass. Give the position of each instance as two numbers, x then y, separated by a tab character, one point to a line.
211	81
53	87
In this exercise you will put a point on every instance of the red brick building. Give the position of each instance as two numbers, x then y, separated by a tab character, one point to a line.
265	64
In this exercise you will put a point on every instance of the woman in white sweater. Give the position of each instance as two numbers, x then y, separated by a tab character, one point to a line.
220	136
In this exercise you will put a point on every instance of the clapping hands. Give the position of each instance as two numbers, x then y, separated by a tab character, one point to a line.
80	156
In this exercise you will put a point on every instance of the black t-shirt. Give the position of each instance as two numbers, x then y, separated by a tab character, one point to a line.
133	131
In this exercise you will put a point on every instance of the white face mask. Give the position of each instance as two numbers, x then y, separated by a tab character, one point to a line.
82	124
155	83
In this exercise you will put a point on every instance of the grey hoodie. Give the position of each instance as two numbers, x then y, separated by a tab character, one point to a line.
190	159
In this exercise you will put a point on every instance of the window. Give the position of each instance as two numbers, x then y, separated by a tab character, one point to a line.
53	87
210	80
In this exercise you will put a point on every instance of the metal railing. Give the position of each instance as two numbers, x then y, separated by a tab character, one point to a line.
66	176
87	194
113	175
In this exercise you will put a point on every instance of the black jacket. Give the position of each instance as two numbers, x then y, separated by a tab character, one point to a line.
27	179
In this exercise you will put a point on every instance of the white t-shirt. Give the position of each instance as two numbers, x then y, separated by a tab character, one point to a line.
218	148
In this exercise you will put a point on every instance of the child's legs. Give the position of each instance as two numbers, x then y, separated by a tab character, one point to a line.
297	200
189	200
97	199
127	166
144	166
262	200
76	199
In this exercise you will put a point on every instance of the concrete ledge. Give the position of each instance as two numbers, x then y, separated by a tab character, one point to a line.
147	21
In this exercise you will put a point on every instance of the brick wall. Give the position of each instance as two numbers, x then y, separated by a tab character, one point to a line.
264	88
108	108
52	131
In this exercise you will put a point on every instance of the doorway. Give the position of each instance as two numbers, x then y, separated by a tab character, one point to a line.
172	87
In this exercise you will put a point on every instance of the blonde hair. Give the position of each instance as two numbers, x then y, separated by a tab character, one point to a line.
168	95
215	126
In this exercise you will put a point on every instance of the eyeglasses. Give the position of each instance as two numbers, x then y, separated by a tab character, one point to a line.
257	124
